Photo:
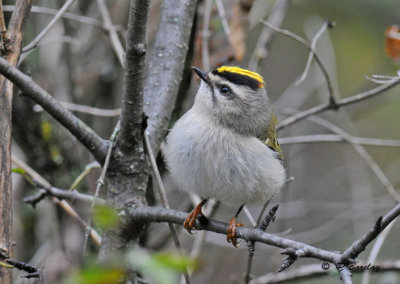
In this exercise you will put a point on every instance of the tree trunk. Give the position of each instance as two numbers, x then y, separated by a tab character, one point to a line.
11	41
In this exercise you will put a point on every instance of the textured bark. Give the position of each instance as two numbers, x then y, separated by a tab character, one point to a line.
11	51
132	100
5	175
127	175
124	189
165	66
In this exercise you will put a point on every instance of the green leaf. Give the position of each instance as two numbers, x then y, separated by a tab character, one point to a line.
174	261
160	268
23	173
18	171
96	275
105	217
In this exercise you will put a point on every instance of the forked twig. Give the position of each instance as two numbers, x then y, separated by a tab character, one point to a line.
301	40
100	181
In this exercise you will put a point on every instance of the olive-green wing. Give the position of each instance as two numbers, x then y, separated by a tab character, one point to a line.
269	137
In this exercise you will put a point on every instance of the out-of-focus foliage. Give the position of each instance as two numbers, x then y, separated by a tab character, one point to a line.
105	217
95	274
162	267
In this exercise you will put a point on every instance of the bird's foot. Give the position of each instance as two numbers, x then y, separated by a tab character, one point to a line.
231	234
191	218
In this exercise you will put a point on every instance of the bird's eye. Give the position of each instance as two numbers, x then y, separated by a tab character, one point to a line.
225	90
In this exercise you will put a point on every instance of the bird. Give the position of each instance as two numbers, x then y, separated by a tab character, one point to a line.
225	147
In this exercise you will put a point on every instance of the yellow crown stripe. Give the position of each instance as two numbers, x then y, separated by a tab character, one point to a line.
244	72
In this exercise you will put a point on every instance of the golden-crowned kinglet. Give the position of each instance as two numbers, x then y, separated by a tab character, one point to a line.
225	146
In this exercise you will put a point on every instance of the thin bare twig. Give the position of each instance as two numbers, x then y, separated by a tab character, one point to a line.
112	31
53	21
33	272
315	55
375	251
66	15
249	216
62	203
276	17
342	102
92	110
161	189
222	15
326	230
362	152
291	256
100	182
382	79
95	144
360	245
251	245
205	35
86	109
317	138
50	40
88	169
311	55
36	259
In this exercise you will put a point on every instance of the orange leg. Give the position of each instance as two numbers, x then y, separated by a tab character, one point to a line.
191	218
231	234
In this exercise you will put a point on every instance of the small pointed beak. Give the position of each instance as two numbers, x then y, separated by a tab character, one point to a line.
203	75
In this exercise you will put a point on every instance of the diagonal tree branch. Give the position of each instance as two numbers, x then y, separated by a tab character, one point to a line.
66	15
360	245
53	21
165	66
362	152
276	17
313	54
112	31
96	145
342	102
40	181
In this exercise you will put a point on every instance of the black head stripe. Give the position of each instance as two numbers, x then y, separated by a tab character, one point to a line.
238	79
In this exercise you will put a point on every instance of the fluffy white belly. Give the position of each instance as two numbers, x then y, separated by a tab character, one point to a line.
223	165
